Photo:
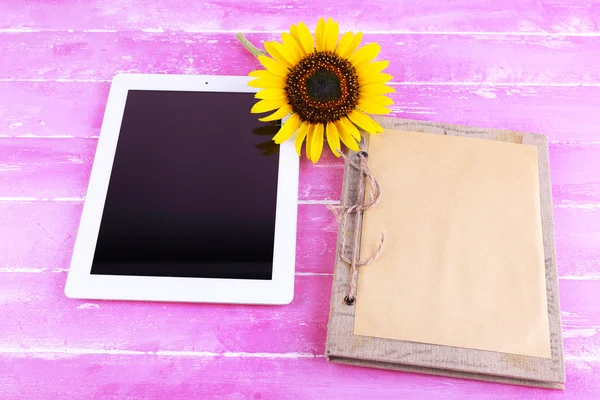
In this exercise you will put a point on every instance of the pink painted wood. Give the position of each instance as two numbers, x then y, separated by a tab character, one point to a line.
524	65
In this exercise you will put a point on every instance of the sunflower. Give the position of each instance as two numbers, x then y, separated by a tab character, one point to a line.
326	87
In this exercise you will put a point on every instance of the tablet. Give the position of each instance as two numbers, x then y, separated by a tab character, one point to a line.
188	199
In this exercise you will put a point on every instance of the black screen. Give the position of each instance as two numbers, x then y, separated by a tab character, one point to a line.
192	191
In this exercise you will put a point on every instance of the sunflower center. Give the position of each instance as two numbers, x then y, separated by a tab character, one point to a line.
322	87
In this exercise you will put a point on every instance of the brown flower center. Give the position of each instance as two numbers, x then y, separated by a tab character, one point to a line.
322	88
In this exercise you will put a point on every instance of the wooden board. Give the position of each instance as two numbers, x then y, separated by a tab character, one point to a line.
520	65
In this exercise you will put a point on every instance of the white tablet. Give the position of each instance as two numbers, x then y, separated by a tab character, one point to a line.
188	198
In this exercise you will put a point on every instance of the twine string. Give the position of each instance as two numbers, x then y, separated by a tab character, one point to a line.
342	212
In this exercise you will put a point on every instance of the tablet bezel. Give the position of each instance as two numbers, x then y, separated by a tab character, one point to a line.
82	284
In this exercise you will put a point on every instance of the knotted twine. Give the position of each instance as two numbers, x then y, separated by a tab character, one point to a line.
342	212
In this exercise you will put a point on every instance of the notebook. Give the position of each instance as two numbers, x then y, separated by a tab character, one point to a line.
465	284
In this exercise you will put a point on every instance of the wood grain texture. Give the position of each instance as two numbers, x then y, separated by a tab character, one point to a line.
434	16
37	315
75	109
417	58
59	169
517	64
40	235
148	376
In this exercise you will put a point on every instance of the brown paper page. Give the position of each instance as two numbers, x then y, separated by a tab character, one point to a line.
463	262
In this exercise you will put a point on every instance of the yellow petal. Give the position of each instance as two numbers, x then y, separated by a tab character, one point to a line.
316	147
275	51
381	100
273	66
310	132
264	74
333	138
288	129
296	35
271	94
348	44
375	89
267	83
290	55
371	79
347	138
365	122
365	54
372	108
351	128
266	105
343	44
305	38
279	114
374	67
332	30
292	47
300	136
320	34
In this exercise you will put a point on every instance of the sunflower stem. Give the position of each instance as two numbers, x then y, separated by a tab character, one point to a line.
249	46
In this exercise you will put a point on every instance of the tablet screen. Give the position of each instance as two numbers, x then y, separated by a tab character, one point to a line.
192	191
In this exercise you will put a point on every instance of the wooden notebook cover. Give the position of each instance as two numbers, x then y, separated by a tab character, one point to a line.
345	347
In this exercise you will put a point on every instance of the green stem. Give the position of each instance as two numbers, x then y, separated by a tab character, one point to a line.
249	46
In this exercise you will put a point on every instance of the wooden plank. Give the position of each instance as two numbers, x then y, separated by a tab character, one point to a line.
36	314
40	235
45	168
435	16
563	113
59	168
416	58
129	377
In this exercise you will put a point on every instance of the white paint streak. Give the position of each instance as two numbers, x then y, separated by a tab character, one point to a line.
31	136
491	84
579	333
415	112
82	80
9	168
318	202
22	198
67	199
19	30
485	92
88	305
53	353
571	143
273	31
75	160
41	352
29	199
585	207
314	274
22	270
579	278
98	31
15	125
